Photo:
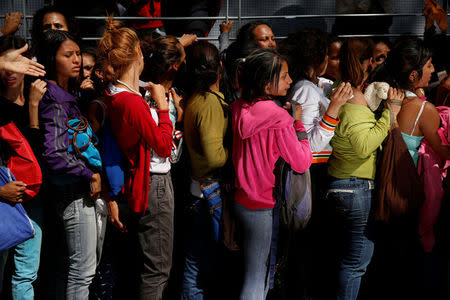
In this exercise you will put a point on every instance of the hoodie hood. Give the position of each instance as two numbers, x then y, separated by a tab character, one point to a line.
258	116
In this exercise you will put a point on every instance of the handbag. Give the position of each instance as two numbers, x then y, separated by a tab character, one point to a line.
400	191
83	140
211	191
15	226
22	161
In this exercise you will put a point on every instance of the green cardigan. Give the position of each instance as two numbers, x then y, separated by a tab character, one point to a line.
356	140
205	126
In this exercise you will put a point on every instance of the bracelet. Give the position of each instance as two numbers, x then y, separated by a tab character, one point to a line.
34	126
395	102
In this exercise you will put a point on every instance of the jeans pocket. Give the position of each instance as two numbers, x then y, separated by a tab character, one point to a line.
343	199
69	211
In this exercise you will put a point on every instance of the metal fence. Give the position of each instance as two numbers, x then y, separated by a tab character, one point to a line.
408	15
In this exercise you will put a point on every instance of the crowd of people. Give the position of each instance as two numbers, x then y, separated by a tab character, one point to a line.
141	149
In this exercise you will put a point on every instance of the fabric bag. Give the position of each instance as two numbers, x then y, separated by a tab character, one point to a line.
15	226
22	160
211	191
294	196
399	188
83	140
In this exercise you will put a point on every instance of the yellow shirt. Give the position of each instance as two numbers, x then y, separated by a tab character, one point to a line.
205	126
356	140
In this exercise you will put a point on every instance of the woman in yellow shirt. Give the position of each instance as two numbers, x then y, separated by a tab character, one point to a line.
352	165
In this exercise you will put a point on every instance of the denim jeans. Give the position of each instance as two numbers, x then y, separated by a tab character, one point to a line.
155	234
200	253
80	227
26	257
353	199
257	227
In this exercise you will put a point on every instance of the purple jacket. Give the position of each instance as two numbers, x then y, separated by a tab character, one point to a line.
56	107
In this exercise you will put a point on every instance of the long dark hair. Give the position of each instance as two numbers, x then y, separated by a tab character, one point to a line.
261	67
202	67
407	55
303	50
46	55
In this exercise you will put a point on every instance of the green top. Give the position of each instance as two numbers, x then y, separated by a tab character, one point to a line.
356	140
205	126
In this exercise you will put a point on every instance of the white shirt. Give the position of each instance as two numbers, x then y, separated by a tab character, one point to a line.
319	127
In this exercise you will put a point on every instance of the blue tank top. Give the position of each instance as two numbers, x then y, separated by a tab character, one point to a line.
413	142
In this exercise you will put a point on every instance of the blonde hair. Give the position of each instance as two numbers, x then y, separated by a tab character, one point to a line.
117	49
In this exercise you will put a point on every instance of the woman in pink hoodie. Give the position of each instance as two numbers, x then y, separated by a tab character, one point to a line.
262	132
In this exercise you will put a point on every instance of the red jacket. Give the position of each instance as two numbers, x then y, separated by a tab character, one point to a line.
136	133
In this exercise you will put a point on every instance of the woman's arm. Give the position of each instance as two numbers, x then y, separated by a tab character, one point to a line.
159	137
293	147
210	126
56	143
366	137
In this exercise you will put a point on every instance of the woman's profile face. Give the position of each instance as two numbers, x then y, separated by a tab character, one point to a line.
284	83
427	70
333	60
68	60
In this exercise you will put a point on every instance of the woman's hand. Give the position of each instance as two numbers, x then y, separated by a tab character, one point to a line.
226	26
13	191
37	90
87	84
113	210
178	102
396	95
338	98
96	186
12	23
14	61
298	112
159	95
187	39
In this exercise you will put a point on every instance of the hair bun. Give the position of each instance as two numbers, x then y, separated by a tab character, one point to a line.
112	25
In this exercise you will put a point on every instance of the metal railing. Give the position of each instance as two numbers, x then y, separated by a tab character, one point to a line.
239	18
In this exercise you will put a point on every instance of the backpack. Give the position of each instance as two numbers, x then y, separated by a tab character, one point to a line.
83	140
293	193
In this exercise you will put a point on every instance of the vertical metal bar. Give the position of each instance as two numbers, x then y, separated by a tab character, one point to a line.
240	14
25	27
226	17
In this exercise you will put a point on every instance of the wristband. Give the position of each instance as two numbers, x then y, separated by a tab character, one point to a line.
395	102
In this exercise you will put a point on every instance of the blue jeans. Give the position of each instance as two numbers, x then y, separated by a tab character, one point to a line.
200	253
80	227
26	256
257	227
353	200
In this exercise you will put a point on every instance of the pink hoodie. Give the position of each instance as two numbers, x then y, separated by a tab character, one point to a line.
262	132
